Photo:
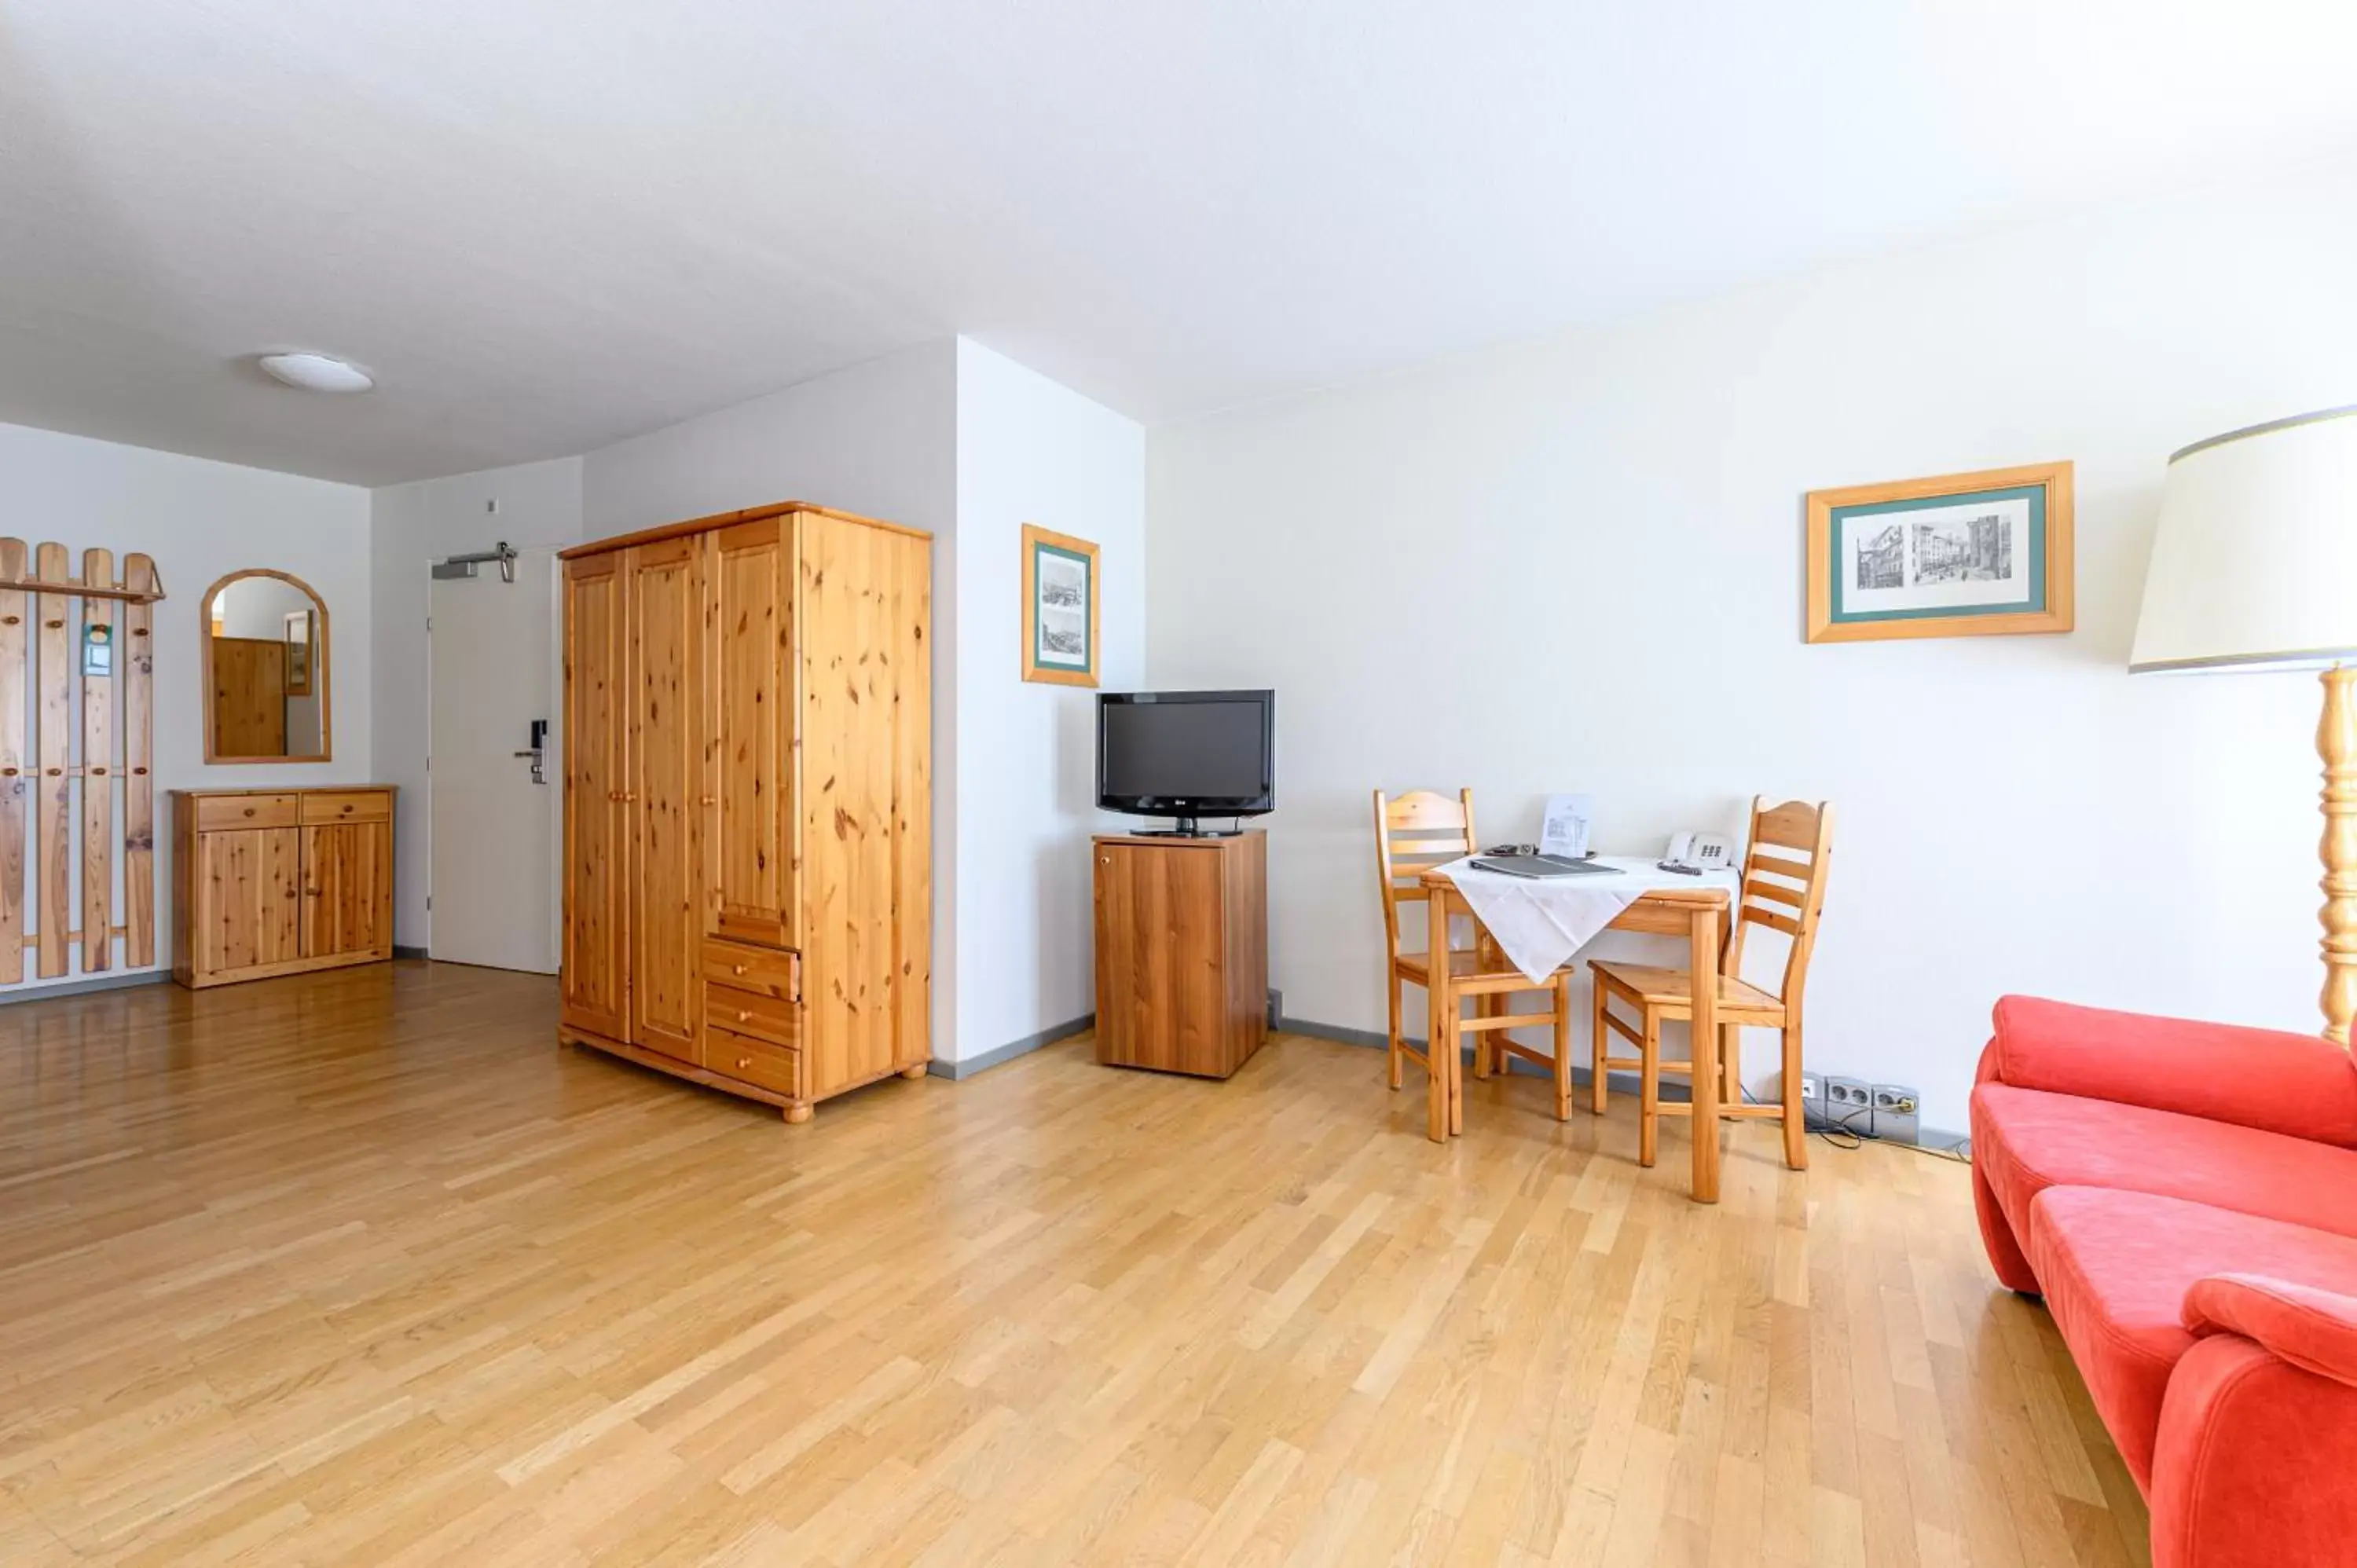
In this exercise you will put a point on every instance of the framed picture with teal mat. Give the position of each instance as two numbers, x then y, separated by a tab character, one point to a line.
1959	555
1060	621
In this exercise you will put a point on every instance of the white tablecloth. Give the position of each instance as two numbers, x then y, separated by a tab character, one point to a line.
1539	922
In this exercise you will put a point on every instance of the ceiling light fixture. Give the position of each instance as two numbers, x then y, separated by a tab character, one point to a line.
317	373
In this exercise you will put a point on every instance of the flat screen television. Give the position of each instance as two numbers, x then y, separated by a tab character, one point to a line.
1187	755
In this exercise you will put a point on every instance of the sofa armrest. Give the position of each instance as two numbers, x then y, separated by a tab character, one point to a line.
2315	1331
2251	1466
2300	1085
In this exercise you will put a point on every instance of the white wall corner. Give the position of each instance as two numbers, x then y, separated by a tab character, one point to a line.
1030	450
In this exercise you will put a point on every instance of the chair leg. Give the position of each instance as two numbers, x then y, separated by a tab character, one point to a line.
1649	1090
1484	1006
1563	1046
1440	1040
1455	1072
1394	986
1481	1004
1730	1066
1597	1086
1796	1125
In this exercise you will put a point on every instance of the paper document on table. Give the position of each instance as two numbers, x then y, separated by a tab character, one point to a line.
1564	830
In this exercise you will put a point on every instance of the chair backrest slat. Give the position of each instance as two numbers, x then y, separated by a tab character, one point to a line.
1412	834
1795	881
1778	866
1792	825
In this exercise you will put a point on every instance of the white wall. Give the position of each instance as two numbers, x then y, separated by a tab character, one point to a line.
1030	451
201	521
874	439
411	527
1573	564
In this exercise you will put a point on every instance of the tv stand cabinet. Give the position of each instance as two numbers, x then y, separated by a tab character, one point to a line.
1182	952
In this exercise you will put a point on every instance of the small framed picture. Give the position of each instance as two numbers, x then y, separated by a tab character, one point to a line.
1060	608
298	652
1958	555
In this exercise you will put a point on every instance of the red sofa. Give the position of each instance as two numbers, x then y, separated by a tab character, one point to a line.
2184	1196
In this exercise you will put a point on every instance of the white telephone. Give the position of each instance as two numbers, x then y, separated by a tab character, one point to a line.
1698	852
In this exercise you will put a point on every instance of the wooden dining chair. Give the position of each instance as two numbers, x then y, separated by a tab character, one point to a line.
1784	890
1412	834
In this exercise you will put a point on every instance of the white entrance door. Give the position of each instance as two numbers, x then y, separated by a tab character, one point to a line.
495	899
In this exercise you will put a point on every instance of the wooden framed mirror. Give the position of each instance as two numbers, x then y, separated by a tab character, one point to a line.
266	671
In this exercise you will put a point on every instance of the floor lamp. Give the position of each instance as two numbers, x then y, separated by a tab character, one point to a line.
2255	568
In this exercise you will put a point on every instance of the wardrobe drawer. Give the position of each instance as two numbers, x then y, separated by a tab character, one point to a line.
773	1066
347	806
752	1012
753	969
217	812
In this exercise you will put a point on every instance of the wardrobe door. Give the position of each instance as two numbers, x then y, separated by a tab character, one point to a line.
595	961
749	856
665	610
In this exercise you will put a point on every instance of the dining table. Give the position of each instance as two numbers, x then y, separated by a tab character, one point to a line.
1538	922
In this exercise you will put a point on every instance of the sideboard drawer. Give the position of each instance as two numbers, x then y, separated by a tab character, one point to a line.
347	806
215	812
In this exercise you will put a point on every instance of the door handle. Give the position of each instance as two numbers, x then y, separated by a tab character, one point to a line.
538	751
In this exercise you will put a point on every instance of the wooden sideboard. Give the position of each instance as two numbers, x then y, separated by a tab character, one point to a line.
1182	952
269	882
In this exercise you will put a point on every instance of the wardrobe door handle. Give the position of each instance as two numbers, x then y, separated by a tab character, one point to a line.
736	968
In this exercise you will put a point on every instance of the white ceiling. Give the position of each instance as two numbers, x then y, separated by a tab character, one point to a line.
546	224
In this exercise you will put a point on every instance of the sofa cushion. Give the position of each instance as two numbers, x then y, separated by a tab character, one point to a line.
2026	1140
2300	1085
2116	1266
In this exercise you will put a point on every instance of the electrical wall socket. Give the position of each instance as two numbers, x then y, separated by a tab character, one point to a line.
1849	1105
1813	1099
1896	1112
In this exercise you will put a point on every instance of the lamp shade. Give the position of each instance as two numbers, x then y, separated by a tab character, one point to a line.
2255	565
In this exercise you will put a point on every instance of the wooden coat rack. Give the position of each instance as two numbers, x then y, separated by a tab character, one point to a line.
46	641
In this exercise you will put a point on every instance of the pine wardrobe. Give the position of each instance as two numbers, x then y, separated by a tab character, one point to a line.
748	802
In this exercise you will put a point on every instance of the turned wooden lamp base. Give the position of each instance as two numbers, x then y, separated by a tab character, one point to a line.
2336	743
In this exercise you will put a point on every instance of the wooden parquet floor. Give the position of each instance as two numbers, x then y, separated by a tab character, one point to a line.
359	1268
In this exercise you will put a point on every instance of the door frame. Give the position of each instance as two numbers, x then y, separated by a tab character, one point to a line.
553	757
